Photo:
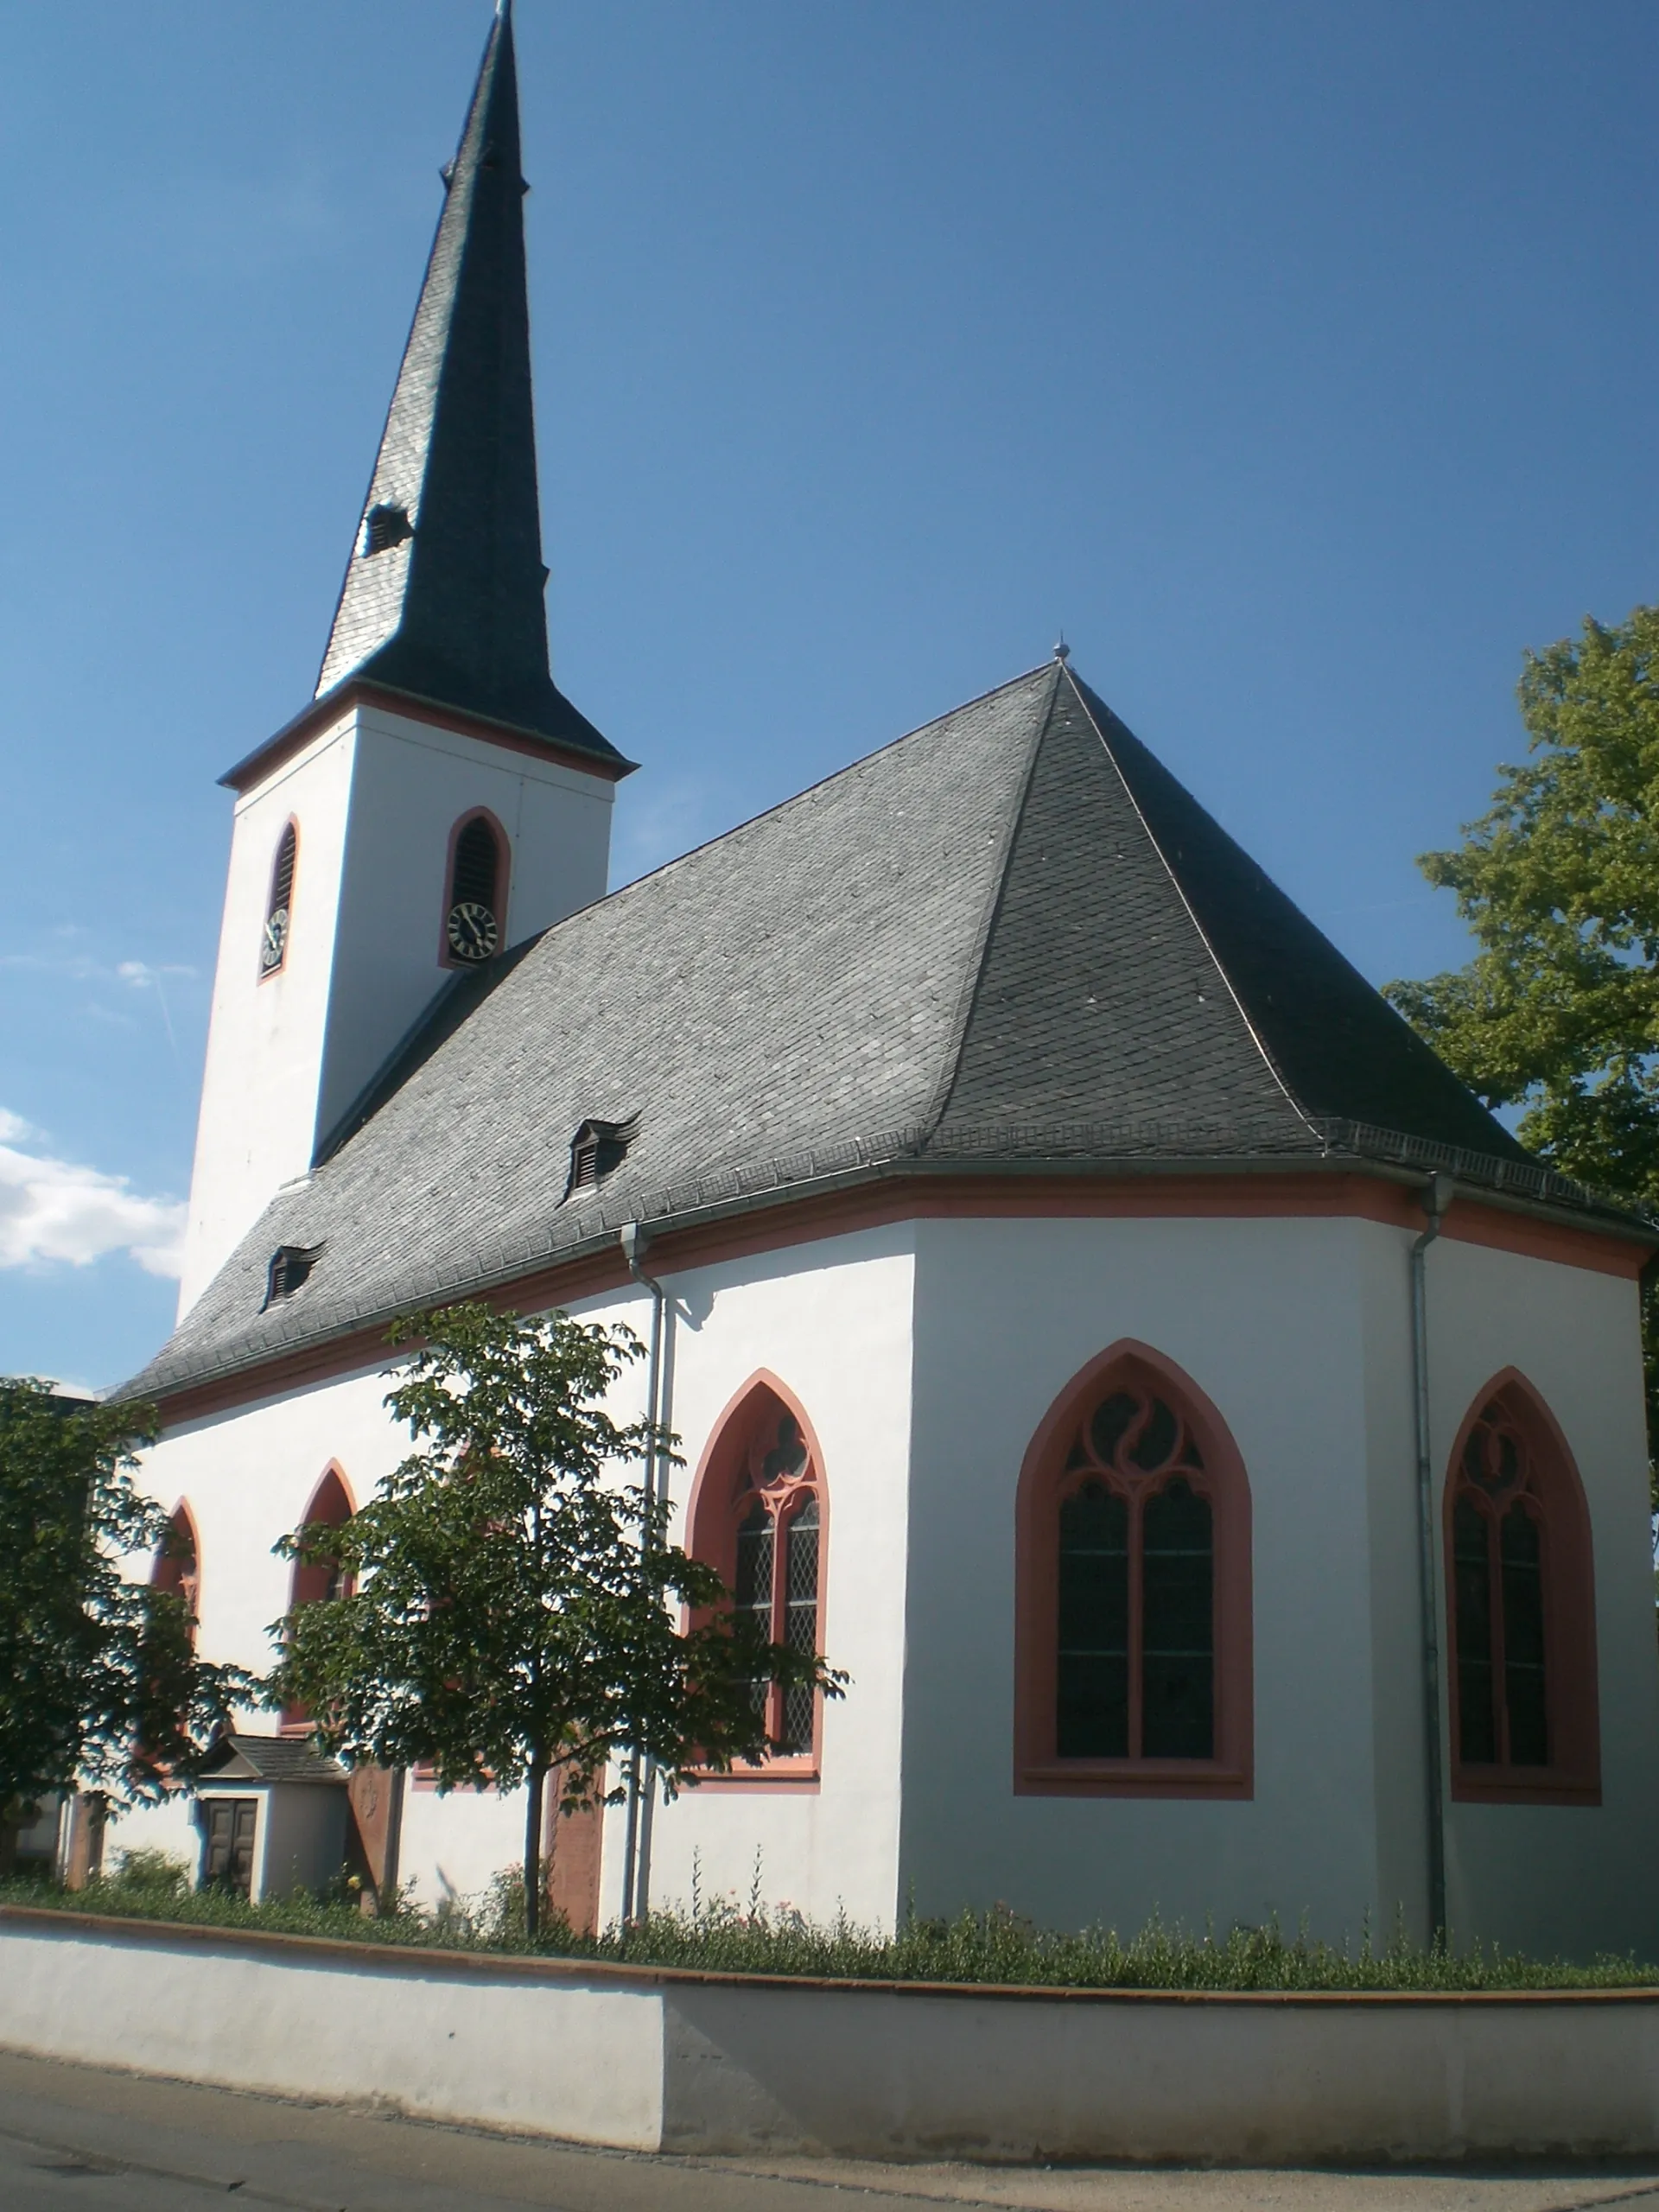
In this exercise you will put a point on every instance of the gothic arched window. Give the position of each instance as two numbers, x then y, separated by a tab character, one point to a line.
1133	1655
1522	1588
758	1516
314	1581
279	902
476	895
177	1566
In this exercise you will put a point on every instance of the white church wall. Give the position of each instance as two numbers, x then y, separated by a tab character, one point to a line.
1265	1317
375	796
247	1477
411	782
1547	1878
254	1136
832	1321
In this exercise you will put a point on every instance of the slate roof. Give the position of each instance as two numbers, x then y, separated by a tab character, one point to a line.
271	1759
1011	936
455	614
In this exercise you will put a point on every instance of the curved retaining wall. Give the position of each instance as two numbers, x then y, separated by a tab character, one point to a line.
648	2060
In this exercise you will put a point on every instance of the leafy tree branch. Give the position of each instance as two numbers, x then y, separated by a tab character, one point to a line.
517	1610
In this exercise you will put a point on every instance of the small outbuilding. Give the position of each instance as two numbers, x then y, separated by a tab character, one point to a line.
272	1815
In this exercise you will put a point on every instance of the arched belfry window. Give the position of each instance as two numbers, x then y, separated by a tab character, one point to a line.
279	902
177	1565
319	1579
475	896
759	1516
1522	1592
1133	1604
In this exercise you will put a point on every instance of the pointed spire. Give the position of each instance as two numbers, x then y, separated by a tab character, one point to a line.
443	596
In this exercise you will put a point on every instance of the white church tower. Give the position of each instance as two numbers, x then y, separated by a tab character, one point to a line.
440	799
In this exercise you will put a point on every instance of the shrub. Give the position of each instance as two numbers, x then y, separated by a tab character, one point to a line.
993	1948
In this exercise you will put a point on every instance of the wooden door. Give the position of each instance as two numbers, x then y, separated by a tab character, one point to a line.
227	1862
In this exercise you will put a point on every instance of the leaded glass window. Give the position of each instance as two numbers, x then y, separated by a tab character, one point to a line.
800	1620
1135	1612
1177	1625
1498	1565
752	1586
776	1563
1092	1691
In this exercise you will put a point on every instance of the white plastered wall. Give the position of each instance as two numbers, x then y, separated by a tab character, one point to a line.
257	1119
375	796
832	1321
1265	1317
411	782
925	1357
1563	1878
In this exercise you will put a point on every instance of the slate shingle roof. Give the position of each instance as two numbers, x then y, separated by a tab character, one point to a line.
271	1758
1010	937
455	614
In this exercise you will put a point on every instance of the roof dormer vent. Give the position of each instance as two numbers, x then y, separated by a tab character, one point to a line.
596	1149
290	1267
385	527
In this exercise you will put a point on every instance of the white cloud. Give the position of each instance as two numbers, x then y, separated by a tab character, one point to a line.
54	1210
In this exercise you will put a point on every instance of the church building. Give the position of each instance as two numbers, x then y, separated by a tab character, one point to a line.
1213	1448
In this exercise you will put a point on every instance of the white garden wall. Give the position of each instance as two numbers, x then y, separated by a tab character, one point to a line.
646	2061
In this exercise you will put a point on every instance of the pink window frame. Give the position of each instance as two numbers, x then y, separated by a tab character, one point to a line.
168	1572
293	823
1045	1481
503	882
721	1491
304	1580
1554	1485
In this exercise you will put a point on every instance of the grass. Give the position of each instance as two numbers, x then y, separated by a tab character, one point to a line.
993	1946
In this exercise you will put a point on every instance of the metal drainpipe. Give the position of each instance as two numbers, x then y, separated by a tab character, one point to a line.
1436	1198
636	1851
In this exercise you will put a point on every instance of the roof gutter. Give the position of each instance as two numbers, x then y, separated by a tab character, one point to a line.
902	1167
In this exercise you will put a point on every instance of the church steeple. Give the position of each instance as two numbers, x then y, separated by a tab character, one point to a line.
443	593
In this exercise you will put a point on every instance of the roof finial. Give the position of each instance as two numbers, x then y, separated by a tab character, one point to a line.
1062	650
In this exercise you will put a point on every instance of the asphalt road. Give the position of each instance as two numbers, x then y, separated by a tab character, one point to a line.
73	2137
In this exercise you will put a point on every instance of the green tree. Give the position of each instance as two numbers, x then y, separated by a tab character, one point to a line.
100	1684
1558	1013
517	1610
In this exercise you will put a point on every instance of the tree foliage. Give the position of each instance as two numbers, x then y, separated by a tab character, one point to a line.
99	1683
1558	1013
517	1610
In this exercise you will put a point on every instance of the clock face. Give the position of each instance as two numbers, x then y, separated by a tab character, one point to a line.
470	929
275	941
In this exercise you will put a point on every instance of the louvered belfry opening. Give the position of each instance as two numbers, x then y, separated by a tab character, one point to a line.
478	865
273	949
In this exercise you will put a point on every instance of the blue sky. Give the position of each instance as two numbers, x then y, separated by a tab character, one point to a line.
1299	361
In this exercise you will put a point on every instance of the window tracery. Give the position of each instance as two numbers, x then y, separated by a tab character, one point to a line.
1133	1659
758	1517
1522	1606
